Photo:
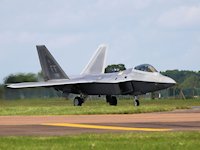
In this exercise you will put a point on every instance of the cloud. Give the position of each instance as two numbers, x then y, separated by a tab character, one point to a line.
54	14
124	5
181	17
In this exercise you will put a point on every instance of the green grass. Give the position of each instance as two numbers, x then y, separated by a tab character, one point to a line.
138	141
65	107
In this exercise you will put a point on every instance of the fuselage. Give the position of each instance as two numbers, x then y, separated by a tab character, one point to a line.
128	82
92	81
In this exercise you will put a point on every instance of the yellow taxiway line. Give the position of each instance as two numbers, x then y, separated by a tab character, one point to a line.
104	127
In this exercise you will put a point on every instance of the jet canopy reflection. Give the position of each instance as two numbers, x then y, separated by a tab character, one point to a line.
146	68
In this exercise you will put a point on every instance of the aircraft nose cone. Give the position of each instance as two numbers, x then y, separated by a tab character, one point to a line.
169	82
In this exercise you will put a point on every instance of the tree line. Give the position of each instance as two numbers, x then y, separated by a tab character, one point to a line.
185	79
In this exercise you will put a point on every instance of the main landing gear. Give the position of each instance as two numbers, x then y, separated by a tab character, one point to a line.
79	100
112	100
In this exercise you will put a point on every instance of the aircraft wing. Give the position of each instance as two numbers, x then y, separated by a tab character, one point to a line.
49	83
60	82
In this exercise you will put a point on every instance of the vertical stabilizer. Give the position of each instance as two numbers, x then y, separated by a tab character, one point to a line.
96	64
50	68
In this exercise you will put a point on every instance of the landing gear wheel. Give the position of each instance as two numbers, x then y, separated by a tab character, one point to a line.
78	101
136	102
112	100
108	98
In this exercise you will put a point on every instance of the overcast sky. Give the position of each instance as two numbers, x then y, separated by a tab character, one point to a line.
164	33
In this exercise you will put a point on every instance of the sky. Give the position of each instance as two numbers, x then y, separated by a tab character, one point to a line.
163	33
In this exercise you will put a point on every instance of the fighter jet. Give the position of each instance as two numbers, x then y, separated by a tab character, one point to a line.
93	81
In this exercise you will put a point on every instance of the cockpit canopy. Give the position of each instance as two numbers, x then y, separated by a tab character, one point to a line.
146	68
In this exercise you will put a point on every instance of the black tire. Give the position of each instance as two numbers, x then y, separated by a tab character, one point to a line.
113	101
108	98
136	102
78	101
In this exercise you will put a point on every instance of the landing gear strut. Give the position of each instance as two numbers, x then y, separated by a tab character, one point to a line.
136	101
112	100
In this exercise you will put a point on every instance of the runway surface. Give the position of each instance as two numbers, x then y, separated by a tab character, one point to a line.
180	120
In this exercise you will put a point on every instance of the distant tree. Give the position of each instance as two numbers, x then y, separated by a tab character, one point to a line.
26	93
40	76
115	68
192	81
21	77
188	82
181	76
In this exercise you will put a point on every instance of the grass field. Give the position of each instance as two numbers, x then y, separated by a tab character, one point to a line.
65	107
138	141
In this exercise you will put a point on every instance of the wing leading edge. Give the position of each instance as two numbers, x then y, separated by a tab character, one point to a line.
61	82
49	83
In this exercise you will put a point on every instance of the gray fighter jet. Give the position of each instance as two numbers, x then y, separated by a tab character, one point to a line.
93	81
